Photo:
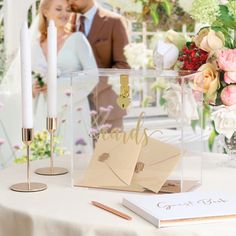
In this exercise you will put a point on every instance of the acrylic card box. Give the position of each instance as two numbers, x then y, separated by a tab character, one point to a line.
136	130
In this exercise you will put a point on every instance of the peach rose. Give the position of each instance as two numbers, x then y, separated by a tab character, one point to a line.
209	40
227	62
207	81
228	95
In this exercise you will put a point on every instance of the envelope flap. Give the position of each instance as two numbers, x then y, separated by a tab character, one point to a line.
157	151
123	158
158	161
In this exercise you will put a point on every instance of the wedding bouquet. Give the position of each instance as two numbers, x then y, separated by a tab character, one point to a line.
218	77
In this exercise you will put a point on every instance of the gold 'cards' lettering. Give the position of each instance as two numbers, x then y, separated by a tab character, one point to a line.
138	134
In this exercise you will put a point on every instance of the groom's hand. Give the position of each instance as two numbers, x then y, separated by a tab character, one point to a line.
37	89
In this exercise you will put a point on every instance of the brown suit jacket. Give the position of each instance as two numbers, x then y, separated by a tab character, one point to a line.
107	37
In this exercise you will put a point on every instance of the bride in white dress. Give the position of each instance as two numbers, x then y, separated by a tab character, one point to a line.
74	54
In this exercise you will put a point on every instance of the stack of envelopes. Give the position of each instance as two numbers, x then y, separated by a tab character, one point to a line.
130	166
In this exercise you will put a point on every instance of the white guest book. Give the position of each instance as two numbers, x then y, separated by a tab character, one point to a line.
182	208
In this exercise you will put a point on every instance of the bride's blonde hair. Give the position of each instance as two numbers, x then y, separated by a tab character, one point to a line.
43	22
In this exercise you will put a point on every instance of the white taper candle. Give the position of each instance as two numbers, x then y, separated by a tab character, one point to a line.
26	78
52	70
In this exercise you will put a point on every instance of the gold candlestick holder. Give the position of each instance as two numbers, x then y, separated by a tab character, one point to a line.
27	138
51	124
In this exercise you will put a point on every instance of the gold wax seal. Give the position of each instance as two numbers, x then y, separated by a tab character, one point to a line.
103	157
139	167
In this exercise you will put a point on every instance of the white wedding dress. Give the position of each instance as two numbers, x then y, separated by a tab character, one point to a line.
75	55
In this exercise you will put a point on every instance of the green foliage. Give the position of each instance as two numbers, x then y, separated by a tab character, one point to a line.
225	23
40	148
146	101
162	101
227	20
154	14
167	6
194	124
211	138
206	115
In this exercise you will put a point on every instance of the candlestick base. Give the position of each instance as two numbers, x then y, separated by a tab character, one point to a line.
51	171
26	187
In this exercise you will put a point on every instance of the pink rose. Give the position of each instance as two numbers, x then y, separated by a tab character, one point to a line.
227	62
230	77
228	95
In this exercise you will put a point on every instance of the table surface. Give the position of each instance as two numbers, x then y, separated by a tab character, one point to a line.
65	211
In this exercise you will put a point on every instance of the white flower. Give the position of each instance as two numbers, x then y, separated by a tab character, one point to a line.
176	108
205	11
137	55
225	120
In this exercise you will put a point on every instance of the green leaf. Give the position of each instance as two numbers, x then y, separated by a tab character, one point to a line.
188	44
194	124
162	101
225	17
154	14
167	6
145	102
211	139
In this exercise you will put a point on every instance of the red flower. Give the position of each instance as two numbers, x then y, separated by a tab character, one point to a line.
192	57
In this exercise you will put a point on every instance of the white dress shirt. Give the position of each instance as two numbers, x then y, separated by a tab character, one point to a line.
89	15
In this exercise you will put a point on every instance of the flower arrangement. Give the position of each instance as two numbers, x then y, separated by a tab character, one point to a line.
213	53
40	147
218	77
39	78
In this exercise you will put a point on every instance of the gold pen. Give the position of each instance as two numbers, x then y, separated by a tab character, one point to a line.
111	210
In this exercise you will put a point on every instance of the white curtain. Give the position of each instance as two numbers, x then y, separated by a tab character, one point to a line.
15	12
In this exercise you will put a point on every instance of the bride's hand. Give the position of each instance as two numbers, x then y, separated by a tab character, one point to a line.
37	89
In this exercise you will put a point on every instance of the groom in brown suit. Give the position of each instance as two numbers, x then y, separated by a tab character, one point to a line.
107	35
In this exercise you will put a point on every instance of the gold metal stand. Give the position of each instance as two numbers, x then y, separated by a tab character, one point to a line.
27	138
51	127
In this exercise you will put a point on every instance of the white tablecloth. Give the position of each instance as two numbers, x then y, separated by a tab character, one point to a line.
65	211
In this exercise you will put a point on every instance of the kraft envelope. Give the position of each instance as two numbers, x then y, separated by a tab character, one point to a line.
113	163
129	166
156	161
